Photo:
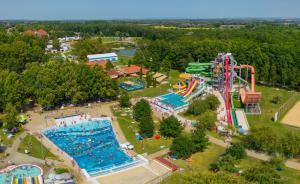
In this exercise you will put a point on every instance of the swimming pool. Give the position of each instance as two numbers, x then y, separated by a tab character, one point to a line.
174	100
92	144
21	171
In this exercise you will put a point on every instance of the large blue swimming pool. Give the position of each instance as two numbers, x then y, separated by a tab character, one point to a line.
173	99
92	144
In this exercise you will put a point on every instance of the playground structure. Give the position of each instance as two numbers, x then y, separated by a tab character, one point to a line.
132	85
179	100
225	70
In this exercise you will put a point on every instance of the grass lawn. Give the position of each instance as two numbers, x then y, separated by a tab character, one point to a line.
267	107
129	129
109	39
35	147
200	163
160	89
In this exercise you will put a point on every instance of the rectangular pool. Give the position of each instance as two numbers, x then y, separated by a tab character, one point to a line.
92	144
174	100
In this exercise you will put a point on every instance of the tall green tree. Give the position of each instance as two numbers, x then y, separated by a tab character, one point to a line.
170	127
10	117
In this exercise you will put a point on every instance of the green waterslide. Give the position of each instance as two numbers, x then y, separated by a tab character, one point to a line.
235	121
199	68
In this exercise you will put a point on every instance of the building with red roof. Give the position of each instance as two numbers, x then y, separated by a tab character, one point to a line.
40	32
133	69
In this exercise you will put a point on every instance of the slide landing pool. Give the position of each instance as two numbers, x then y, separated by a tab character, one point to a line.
92	144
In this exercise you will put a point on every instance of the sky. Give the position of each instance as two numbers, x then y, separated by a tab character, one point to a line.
146	9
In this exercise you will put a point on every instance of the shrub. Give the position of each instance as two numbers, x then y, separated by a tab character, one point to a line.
262	174
170	127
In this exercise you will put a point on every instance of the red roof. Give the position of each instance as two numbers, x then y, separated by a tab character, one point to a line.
101	63
167	163
41	32
134	69
114	73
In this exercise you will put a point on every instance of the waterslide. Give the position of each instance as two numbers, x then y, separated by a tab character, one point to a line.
227	97
192	89
199	68
188	88
199	91
235	120
28	180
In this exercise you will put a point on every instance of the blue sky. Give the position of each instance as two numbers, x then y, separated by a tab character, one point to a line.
141	9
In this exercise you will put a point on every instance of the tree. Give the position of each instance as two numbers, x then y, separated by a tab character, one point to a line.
207	120
237	151
124	99
166	66
55	43
141	109
146	126
109	66
199	139
197	107
170	127
182	146
212	101
10	117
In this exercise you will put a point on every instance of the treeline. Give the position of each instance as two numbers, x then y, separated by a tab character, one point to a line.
267	140
16	50
87	46
54	83
272	50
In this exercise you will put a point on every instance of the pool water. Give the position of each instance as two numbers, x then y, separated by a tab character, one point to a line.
174	100
92	144
20	172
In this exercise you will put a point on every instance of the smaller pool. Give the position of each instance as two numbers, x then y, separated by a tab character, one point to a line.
174	100
21	171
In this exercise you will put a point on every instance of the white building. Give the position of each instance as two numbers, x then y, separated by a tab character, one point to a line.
107	56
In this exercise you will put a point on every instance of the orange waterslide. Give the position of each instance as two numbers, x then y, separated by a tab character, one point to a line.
251	96
192	88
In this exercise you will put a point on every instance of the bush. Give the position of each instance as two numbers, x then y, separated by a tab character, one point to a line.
199	139
226	163
124	100
170	127
237	151
146	127
207	120
262	174
141	109
182	146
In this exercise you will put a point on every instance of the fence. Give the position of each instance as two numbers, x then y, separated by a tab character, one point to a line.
285	107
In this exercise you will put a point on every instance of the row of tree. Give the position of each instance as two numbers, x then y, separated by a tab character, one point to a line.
53	84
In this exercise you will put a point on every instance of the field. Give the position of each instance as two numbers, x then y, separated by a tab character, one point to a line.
35	147
292	117
130	127
268	108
